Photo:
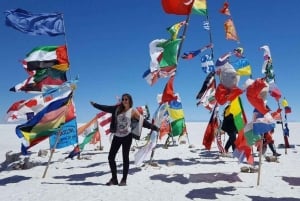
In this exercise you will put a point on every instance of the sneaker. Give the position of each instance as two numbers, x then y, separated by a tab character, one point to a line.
276	154
123	183
112	182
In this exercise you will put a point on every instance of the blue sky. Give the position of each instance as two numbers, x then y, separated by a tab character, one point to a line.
108	48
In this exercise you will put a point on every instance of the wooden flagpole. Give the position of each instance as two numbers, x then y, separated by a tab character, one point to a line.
260	156
52	152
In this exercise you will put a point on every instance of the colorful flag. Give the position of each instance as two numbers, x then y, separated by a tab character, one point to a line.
42	79
176	116
251	138
242	149
168	58
230	31
211	129
177	7
88	133
174	29
46	122
225	9
274	91
261	126
192	54
253	93
50	24
237	110
66	135
47	57
26	109
207	64
151	77
206	95
206	25
168	94
104	120
243	66
199	7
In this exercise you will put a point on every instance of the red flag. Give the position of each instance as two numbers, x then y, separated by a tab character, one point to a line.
168	94
211	129
225	9
177	7
254	97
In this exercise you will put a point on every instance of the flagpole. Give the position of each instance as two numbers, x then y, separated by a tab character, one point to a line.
259	166
52	152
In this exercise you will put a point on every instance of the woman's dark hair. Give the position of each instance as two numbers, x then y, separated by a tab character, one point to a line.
130	101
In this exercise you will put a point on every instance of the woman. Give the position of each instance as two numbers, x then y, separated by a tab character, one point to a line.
122	114
229	127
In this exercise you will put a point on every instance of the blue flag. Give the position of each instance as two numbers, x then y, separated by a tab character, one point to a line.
50	24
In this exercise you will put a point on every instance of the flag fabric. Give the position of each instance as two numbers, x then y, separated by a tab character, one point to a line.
74	152
206	25
274	91
168	94
177	7
176	115
174	29
243	67
225	9
104	120
163	54
237	110
26	109
42	79
253	93
50	24
46	122
199	7
224	94
243	150
47	57
230	32
250	136
261	127
206	95
211	129
207	64
88	133
192	54
66	135
267	67
168	58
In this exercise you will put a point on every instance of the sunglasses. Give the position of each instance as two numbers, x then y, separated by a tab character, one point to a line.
124	99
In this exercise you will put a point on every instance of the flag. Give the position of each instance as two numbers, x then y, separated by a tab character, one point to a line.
174	29
207	64
50	24
260	126
168	58
206	95
47	57
230	32
66	135
26	109
176	116
237	110
274	91
206	25
151	77
47	121
177	7
42	79
199	7
88	133
104	120
242	149
211	129
192	54
168	94
243	67
225	9
253	93
251	138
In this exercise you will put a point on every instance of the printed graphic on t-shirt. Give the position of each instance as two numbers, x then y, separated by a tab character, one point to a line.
123	124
